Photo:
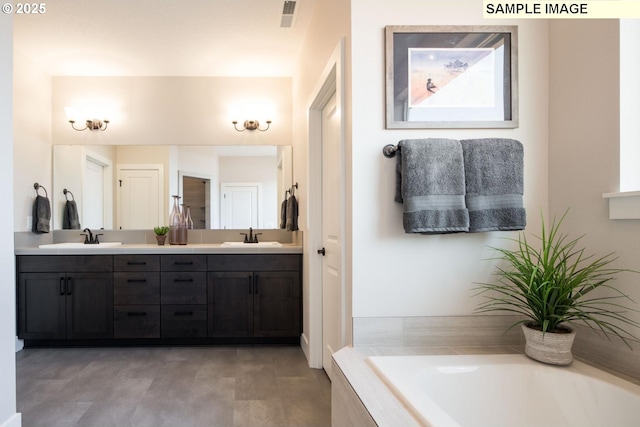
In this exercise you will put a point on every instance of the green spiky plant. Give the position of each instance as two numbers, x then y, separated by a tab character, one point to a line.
161	230
554	285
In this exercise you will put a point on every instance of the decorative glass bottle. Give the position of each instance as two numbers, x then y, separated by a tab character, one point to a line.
188	220
175	220
182	230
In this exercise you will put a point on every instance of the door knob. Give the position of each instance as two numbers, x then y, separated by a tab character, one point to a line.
322	251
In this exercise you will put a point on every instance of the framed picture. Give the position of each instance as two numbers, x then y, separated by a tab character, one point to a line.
451	77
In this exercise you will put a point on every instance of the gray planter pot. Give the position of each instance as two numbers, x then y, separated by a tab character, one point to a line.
551	348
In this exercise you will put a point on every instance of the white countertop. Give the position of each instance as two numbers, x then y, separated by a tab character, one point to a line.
194	248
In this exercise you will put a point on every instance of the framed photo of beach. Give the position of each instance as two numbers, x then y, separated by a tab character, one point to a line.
451	77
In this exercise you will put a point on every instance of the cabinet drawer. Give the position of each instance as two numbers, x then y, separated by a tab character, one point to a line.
136	263
184	321
183	262
136	321
136	288
183	288
253	262
58	263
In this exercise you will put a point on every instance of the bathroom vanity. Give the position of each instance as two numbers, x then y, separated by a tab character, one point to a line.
147	294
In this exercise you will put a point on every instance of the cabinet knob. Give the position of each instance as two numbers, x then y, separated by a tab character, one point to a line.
322	252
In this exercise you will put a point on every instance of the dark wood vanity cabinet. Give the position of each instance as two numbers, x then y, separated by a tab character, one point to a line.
65	297
153	298
254	296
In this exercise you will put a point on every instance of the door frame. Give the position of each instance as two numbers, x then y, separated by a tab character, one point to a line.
107	177
331	81
161	188
214	197
259	213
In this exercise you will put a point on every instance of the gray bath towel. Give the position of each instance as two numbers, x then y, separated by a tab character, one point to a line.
495	184
430	174
70	220
41	215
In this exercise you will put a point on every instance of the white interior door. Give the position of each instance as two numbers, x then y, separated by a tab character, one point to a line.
140	197
93	215
333	336
239	206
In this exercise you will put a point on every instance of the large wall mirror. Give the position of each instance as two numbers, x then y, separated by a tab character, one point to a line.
131	187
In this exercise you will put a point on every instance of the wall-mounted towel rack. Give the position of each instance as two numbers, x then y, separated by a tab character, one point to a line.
37	187
65	191
390	150
291	190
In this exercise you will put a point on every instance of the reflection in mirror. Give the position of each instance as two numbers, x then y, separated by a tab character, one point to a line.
130	187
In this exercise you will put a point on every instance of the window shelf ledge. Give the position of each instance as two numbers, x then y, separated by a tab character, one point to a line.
623	205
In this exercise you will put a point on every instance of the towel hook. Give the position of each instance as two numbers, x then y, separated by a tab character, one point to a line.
37	187
291	190
65	191
390	150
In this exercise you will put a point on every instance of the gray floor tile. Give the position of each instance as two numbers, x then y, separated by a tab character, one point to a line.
171	386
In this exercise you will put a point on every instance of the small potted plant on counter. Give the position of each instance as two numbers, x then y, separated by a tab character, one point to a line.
553	286
161	234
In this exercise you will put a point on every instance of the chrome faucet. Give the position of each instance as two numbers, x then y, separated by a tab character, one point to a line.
89	238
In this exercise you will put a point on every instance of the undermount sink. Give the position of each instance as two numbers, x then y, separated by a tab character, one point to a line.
76	245
252	245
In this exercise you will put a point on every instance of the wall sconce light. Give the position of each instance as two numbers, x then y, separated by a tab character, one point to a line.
251	125
92	124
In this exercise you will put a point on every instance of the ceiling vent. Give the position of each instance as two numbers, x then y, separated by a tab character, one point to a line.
288	12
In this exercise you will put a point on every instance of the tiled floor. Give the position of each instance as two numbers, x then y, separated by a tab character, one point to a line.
172	386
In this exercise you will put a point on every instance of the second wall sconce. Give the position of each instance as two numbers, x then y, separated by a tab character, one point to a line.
91	124
251	125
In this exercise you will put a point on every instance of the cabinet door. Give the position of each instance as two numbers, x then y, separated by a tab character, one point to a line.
41	306
276	304
89	305
230	304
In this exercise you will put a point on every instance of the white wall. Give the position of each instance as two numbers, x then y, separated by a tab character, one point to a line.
172	110
584	149
8	415
330	25
397	274
32	137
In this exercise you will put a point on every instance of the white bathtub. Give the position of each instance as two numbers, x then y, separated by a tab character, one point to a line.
508	391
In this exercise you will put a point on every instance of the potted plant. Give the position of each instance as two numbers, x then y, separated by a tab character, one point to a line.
554	286
161	233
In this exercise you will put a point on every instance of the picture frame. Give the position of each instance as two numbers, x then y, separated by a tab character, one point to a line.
451	77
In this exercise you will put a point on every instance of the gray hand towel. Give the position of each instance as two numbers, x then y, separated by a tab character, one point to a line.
283	214
495	184
70	220
292	214
431	186
41	215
